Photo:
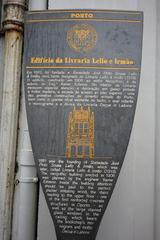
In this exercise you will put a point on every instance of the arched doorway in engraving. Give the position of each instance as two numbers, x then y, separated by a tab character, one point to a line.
80	133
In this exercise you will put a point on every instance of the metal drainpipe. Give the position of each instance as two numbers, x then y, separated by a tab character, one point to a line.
26	187
13	27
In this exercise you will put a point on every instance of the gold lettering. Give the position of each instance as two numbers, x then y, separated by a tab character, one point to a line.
81	15
77	60
102	60
125	61
42	60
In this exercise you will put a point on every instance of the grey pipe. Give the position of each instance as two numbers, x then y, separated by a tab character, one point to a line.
26	187
13	27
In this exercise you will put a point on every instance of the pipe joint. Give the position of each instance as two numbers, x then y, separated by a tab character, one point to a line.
26	180
14	15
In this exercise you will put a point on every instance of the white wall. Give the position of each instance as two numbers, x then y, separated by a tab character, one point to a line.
1	68
106	4
131	212
157	152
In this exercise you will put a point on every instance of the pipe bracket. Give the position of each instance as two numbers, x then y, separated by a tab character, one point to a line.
26	180
14	16
22	3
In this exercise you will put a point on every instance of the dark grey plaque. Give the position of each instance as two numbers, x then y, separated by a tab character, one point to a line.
81	71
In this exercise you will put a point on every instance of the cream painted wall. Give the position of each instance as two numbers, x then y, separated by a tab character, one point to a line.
1	68
131	212
114	4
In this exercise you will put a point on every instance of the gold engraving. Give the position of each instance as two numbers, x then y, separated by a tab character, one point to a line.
82	37
80	133
42	60
81	15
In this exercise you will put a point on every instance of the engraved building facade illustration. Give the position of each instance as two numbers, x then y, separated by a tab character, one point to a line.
80	133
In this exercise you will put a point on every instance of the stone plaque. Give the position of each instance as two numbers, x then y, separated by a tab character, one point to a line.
81	73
